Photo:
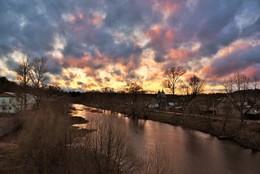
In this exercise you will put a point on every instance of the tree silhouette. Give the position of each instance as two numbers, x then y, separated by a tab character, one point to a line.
172	75
196	85
23	76
38	77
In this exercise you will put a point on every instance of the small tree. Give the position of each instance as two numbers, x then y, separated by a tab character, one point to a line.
134	89
196	84
171	77
23	71
108	90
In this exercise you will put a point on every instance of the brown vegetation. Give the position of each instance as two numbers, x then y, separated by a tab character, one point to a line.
48	144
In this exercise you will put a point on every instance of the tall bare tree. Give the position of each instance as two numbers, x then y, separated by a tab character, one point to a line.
23	76
171	77
38	77
196	84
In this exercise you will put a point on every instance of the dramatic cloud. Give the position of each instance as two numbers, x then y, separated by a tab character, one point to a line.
238	60
93	44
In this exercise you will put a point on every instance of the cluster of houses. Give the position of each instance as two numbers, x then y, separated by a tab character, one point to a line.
220	105
11	103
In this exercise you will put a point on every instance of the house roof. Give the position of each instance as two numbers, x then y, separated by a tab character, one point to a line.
7	94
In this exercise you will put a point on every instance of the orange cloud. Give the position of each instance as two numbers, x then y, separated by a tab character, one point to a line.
187	76
169	36
232	48
167	8
160	36
154	32
205	70
73	18
76	62
251	72
177	54
96	19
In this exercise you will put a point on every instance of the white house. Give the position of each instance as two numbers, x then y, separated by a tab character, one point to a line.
7	102
11	103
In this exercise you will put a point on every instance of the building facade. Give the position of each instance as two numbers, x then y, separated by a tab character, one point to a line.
7	102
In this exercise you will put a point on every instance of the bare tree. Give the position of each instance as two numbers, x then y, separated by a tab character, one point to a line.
240	82
157	162
108	90
133	88
38	77
255	83
113	152
196	84
237	90
184	88
171	77
23	76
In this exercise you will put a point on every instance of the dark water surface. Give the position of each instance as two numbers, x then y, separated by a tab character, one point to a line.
190	152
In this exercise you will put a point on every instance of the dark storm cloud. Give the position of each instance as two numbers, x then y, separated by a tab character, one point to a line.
251	12
237	61
54	66
211	22
127	14
252	30
25	26
11	63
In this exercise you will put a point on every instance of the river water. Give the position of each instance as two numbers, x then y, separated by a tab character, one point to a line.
188	151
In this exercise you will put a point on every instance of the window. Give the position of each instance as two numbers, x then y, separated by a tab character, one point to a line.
10	100
3	101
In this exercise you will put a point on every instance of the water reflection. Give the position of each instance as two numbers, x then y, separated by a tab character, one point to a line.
188	151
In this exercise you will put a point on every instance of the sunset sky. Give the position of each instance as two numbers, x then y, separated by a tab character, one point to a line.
91	44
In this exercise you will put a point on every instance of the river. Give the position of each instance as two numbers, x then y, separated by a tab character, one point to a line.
189	151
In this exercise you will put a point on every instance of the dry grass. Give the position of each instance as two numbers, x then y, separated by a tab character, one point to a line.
43	138
6	119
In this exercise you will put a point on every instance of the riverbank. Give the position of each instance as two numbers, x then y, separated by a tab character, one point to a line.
246	134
